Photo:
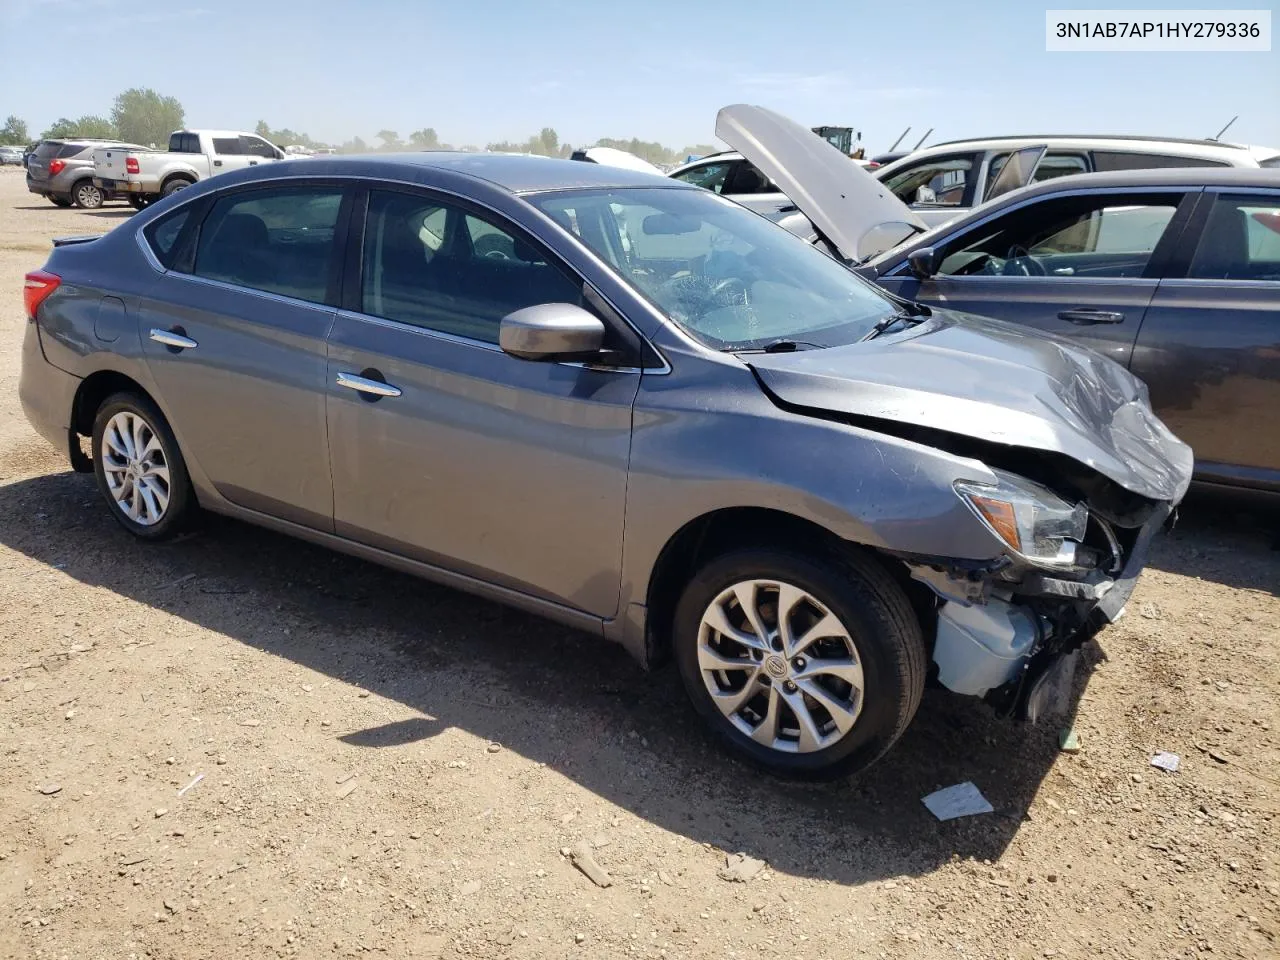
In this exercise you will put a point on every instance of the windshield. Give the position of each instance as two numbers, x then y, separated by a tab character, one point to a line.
730	278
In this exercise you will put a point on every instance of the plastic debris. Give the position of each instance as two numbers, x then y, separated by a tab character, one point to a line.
1166	761
739	868
1069	740
580	856
961	800
199	777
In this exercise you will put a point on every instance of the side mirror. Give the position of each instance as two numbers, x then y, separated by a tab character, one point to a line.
551	331
922	263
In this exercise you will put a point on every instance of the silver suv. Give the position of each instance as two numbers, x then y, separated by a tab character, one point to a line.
62	171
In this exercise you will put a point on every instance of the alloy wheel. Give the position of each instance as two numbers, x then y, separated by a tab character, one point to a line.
135	467
88	196
780	666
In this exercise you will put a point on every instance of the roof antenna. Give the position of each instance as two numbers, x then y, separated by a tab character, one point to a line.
1224	129
898	141
922	139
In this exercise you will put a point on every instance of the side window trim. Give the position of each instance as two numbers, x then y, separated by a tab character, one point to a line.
189	239
352	289
1198	221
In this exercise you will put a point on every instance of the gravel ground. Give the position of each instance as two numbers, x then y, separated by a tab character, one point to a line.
389	767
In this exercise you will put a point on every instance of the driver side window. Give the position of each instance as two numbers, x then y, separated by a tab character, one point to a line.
1105	236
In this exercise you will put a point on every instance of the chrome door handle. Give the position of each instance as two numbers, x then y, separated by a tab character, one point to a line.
171	339
1091	316
364	385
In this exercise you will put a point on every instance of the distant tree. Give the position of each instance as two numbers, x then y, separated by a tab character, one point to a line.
14	131
354	145
144	116
263	130
390	140
425	139
92	126
86	126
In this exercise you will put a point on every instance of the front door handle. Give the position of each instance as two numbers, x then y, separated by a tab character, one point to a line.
217	163
171	339
373	388
253	163
1085	317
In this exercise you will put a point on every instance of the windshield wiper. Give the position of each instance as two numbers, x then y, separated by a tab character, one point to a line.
781	345
907	315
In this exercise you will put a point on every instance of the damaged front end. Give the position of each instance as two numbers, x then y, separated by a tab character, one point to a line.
1007	629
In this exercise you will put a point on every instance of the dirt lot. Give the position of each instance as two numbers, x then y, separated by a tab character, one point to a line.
393	768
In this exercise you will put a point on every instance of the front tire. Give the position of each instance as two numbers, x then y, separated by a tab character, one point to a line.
140	469
809	667
86	195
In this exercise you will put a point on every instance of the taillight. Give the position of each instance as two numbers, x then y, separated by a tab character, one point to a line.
56	167
39	284
871	165
131	165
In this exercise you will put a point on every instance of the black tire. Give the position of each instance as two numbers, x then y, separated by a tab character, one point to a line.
138	201
182	506
87	196
174	185
881	622
57	201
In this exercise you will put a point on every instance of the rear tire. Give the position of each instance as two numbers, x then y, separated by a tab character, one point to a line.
60	201
173	186
87	196
829	710
140	469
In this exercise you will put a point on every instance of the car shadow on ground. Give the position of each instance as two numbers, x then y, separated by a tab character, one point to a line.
1231	539
571	701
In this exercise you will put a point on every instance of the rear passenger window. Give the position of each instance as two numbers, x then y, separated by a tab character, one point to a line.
228	146
1241	241
279	240
436	266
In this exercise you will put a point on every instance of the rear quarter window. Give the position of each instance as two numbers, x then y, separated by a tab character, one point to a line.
162	236
1105	160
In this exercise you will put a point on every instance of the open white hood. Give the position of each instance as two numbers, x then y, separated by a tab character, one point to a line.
848	206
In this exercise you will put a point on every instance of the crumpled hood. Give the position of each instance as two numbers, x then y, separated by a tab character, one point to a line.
997	382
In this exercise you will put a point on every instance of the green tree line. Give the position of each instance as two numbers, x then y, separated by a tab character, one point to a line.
143	116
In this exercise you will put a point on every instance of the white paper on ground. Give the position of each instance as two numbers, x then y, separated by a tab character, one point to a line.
962	800
1166	761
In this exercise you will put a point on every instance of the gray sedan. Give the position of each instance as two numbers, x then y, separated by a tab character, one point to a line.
624	403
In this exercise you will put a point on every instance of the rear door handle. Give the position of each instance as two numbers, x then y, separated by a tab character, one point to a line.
171	339
217	163
1085	317
374	388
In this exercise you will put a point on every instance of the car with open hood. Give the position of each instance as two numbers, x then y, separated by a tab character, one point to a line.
624	403
1173	273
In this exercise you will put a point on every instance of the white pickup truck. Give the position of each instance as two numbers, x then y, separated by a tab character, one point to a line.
146	175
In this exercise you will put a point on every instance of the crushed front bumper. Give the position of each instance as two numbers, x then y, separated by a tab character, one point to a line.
1010	638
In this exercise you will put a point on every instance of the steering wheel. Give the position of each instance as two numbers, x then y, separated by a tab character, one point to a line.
1020	263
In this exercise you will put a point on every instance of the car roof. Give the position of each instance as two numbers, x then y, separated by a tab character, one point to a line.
1233	153
516	173
1102	137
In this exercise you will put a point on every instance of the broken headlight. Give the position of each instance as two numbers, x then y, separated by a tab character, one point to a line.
1033	521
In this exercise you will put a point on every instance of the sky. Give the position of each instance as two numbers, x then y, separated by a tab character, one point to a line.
657	70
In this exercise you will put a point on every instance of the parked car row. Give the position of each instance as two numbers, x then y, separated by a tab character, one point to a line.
144	175
947	180
11	156
61	170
